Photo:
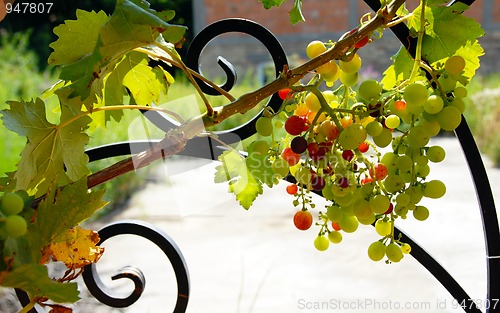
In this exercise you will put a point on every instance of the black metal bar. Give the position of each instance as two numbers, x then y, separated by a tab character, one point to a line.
160	239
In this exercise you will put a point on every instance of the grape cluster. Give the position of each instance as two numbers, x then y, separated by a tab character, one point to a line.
333	142
12	224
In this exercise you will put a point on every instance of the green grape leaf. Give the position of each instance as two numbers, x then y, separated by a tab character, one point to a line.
399	70
53	152
242	183
272	3
77	38
34	279
260	167
296	12
133	24
442	39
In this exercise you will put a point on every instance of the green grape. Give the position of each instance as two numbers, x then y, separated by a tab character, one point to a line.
280	168
384	139
393	252
259	146
394	183
12	203
403	199
431	127
379	204
436	154
415	193
405	248
334	213
418	137
351	137
383	228
335	236
447	82
327	192
15	226
415	95
455	64
376	251
303	175
420	213
349	224
392	121
315	48
460	92
329	71
348	79
389	160
321	243
421	160
312	102
434	104
449	118
367	221
422	170
362	209
264	126
459	104
404	163
351	66
434	189
370	89
374	128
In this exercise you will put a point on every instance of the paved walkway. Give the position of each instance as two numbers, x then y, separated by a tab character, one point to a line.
256	261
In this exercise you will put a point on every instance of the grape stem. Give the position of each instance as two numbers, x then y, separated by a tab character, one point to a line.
420	36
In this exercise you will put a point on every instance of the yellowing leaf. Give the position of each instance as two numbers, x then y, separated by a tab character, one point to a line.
77	38
53	152
76	248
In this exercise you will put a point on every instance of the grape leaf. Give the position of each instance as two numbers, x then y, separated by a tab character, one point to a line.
59	211
242	183
76	248
399	70
77	38
296	12
442	40
272	3
53	152
34	279
131	25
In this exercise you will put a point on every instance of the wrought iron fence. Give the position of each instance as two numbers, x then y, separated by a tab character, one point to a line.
209	149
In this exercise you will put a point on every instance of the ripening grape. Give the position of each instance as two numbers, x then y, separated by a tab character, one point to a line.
415	95
335	236
292	189
280	168
434	104
315	48
383	228
420	213
379	171
264	126
349	224
392	121
348	79
312	102
295	125
351	66
434	189
11	203
455	64
436	154
376	251
302	219
321	243
393	252
15	226
370	89
329	130
290	157
449	118
298	144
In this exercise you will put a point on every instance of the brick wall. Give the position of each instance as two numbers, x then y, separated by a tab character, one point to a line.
326	20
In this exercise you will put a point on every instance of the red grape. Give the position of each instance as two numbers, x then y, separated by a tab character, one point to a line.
295	125
302	219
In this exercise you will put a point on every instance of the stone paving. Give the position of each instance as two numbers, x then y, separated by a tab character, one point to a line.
256	261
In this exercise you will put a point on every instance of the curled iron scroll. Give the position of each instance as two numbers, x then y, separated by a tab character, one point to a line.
97	288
